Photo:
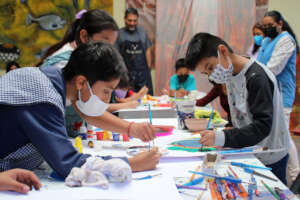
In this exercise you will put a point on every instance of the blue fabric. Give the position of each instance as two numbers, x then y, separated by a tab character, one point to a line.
286	78
279	168
188	85
52	60
29	85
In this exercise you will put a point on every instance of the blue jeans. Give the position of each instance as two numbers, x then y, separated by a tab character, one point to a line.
279	168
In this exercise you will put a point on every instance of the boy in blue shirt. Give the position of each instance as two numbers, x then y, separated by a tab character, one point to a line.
182	82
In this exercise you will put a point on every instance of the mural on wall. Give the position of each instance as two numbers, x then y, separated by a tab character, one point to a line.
29	27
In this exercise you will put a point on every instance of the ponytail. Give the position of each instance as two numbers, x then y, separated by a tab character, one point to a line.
93	21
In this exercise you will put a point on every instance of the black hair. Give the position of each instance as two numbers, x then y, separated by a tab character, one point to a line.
9	64
125	81
203	45
276	15
96	61
93	21
180	64
260	27
131	11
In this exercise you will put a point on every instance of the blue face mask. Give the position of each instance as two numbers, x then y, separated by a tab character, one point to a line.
258	39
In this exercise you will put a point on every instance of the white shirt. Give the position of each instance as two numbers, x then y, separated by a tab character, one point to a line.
282	52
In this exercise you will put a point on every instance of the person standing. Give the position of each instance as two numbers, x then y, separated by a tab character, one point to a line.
278	52
134	45
258	36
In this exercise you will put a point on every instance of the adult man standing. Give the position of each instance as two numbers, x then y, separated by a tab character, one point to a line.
134	45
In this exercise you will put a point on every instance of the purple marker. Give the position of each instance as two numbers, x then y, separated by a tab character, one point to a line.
280	193
189	187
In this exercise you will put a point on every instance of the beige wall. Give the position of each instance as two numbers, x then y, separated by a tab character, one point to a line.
290	11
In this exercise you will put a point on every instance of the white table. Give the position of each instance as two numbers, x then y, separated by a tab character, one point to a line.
179	166
161	187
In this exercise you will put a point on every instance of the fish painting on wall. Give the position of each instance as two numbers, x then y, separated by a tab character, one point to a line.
29	27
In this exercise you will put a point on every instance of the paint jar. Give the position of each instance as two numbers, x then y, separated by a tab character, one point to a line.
210	163
125	138
185	109
116	136
99	135
83	132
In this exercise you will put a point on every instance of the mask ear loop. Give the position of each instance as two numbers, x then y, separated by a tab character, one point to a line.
90	90
227	58
218	57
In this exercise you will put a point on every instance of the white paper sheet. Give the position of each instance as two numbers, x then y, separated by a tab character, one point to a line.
149	189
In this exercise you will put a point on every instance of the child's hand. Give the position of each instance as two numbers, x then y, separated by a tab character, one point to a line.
142	92
19	180
133	104
165	91
207	138
145	161
144	131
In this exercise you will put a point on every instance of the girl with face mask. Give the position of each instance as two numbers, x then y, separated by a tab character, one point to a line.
278	53
182	82
258	36
124	92
38	98
92	25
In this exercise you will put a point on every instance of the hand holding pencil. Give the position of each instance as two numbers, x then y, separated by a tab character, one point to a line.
207	136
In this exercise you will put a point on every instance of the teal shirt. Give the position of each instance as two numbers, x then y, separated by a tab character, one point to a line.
188	85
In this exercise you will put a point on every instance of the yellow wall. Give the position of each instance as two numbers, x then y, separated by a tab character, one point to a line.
118	11
290	11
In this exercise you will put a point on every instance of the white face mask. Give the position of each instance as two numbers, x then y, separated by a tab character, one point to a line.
221	75
93	106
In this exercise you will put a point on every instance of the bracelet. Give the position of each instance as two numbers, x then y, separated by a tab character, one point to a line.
129	126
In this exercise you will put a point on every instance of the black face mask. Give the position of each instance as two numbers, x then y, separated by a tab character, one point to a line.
270	32
182	78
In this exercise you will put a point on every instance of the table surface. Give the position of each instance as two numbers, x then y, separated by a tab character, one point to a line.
172	168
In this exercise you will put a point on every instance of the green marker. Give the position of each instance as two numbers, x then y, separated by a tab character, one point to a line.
270	190
205	149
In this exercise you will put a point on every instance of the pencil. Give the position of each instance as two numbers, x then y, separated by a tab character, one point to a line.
193	175
243	193
202	192
210	118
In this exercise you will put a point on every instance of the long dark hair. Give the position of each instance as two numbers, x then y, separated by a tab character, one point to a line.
285	27
96	61
93	21
260	27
